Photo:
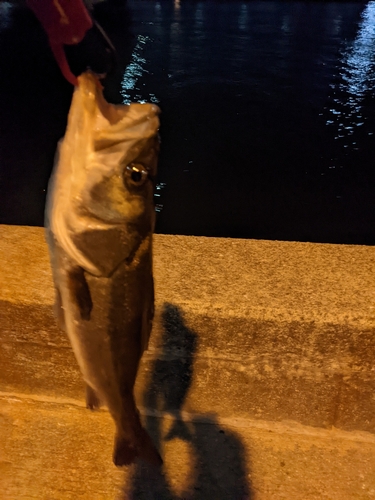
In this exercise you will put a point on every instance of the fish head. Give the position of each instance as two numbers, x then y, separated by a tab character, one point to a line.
119	185
100	204
115	160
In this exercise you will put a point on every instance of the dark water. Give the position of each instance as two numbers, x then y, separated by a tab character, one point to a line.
268	114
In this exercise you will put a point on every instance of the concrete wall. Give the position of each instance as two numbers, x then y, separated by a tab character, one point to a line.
263	351
268	330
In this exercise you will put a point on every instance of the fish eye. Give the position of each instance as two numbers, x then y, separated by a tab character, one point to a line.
135	174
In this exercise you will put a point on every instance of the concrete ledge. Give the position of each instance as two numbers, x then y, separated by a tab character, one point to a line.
61	451
245	329
258	384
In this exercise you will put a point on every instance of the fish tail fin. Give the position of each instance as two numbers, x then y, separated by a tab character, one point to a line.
123	453
133	441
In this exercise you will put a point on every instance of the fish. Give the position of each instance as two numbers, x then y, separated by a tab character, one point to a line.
99	223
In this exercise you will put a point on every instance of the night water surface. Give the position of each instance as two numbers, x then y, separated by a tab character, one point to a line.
268	114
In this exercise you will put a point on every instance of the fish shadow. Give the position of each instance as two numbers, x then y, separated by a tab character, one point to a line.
216	466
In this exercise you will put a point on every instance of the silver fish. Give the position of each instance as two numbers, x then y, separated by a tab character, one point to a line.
99	225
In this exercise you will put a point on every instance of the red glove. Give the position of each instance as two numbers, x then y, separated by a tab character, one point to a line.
66	22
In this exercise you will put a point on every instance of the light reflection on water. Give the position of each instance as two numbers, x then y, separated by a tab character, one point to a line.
244	89
5	14
359	75
243	17
157	196
244	83
132	79
198	19
357	79
131	91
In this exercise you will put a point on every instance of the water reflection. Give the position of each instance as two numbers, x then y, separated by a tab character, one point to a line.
336	25
157	196
132	78
357	79
198	20
243	17
359	61
5	15
285	26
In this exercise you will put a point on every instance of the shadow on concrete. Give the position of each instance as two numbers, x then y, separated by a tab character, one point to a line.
217	458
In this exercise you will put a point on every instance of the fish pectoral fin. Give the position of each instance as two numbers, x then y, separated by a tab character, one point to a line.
104	249
80	292
92	399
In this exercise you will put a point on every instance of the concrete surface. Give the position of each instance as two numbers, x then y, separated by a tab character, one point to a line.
59	450
264	349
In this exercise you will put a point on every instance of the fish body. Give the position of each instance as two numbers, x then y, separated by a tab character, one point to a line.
99	225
